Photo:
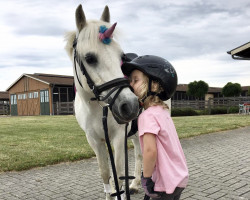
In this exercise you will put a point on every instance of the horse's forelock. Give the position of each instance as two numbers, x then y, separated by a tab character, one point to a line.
89	37
88	41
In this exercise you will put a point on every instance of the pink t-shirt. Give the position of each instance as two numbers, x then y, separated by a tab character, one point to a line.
171	168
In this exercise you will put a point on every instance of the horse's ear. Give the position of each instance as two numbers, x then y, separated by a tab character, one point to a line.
105	14
80	18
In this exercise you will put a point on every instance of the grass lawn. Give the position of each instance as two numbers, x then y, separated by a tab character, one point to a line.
27	142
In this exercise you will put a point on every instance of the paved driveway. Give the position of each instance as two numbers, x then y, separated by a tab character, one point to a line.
219	165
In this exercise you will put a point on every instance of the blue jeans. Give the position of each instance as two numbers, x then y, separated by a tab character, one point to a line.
174	196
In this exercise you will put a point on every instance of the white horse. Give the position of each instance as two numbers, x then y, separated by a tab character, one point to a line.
102	62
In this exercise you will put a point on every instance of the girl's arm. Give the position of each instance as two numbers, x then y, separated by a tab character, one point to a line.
149	154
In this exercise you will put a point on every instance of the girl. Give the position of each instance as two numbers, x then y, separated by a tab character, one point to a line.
165	172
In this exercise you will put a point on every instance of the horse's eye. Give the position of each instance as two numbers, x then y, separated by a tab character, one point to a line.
91	58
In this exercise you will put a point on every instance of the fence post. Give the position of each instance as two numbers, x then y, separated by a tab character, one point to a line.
57	108
209	106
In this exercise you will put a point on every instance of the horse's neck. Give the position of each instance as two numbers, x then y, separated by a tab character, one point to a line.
85	100
83	94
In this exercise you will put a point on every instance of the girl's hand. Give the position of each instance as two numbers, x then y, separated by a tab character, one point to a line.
148	186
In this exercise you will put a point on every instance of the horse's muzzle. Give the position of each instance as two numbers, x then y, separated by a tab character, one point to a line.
125	108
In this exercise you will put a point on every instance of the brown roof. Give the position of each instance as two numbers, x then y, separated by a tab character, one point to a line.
184	88
53	78
245	88
4	95
48	79
214	90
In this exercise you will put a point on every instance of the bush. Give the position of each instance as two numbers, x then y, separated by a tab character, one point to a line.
183	112
175	112
202	112
224	110
234	109
218	110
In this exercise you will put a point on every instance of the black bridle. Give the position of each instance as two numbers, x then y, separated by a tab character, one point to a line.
115	85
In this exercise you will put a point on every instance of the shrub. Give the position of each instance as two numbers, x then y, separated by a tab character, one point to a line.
218	110
202	112
234	109
183	112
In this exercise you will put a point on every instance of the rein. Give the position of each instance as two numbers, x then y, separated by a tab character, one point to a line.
115	85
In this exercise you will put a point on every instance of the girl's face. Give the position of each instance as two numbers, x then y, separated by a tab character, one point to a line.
136	81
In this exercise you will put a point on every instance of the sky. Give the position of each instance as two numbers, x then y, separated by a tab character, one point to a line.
194	36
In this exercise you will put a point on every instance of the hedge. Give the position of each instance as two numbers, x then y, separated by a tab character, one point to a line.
175	112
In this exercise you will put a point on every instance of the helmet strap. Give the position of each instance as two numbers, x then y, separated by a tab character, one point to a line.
149	89
149	93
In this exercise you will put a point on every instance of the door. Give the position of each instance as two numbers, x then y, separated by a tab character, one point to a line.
13	104
44	102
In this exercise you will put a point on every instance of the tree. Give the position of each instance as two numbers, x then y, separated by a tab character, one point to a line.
231	89
197	89
248	92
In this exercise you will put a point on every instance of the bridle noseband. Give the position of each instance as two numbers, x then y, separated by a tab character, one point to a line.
115	84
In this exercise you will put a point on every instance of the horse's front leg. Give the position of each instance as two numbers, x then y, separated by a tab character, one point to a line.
136	183
102	159
118	144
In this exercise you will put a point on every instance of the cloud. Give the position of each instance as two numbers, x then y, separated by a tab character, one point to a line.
193	35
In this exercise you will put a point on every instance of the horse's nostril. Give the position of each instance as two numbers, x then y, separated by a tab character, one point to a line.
125	109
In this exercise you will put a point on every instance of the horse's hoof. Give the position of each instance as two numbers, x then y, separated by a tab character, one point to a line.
133	191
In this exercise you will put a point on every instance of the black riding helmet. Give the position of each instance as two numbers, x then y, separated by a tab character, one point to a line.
157	69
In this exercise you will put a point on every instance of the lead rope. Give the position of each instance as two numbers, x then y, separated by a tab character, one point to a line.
126	177
105	127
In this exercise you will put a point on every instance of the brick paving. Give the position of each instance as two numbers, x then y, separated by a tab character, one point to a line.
219	165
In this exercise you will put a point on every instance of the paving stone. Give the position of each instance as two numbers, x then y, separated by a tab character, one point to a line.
219	168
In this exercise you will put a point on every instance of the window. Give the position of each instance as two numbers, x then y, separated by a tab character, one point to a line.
42	97
35	95
13	99
46	95
20	96
31	95
24	96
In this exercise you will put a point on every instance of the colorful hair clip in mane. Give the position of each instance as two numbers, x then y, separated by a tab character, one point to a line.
105	34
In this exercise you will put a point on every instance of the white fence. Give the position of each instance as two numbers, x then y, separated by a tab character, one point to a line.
64	108
211	103
4	108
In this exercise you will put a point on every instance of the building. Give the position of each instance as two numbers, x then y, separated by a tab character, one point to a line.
241	53
213	92
50	94
4	97
4	103
40	94
181	93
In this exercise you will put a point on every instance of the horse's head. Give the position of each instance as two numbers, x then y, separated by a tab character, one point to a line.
101	56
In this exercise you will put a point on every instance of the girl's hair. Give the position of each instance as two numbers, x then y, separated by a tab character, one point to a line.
151	100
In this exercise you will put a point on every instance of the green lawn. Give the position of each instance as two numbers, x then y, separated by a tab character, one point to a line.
27	142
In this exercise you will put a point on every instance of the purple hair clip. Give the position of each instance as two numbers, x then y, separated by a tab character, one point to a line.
105	34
